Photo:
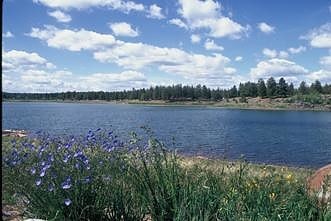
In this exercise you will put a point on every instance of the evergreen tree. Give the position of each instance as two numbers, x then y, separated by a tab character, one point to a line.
290	91
317	87
233	92
282	88
303	88
261	88
271	87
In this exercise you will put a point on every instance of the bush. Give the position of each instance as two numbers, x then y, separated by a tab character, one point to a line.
243	100
312	98
98	177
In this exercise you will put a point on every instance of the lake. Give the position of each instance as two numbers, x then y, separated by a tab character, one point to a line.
296	138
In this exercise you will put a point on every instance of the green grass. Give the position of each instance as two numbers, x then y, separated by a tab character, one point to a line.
135	183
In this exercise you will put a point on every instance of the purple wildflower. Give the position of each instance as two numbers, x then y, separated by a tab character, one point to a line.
66	158
78	153
38	182
33	170
66	184
87	179
67	202
42	173
51	187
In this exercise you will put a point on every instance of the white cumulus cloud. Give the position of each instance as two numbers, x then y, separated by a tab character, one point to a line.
178	22
265	28
272	53
326	62
297	50
319	37
210	45
238	58
123	29
125	6
277	67
155	12
7	34
322	75
139	56
15	60
134	55
205	15
60	16
73	40
195	38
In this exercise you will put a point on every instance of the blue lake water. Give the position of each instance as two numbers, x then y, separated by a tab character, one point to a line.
297	138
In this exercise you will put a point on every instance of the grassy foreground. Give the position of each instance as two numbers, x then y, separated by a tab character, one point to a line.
98	177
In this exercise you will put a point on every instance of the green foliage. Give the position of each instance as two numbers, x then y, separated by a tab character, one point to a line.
135	183
261	88
243	100
282	88
183	93
313	98
271	87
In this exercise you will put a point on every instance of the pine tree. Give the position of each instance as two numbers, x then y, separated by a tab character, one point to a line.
271	87
261	88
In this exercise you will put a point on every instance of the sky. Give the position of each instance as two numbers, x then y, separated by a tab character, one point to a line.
112	45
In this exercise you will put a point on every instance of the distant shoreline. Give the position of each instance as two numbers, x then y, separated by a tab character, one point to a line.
252	104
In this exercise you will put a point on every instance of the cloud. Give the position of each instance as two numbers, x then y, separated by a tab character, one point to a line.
222	27
206	15
269	52
29	72
178	22
322	75
72	40
195	10
136	56
265	28
277	67
195	38
171	60
319	37
59	81
272	53
123	29
155	12
210	45
124	6
113	81
326	62
15	60
297	50
283	54
60	16
238	58
8	34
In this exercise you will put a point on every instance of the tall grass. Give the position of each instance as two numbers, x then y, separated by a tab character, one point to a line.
98	177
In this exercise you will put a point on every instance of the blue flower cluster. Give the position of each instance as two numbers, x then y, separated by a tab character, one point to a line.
59	164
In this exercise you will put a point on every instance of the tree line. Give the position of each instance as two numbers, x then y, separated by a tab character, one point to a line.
269	89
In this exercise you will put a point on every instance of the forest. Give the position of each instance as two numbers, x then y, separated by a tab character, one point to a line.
269	89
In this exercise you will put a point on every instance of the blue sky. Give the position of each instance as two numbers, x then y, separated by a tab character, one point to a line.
60	45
